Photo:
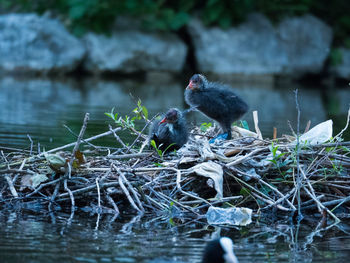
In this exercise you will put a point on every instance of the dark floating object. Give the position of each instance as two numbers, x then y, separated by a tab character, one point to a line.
219	251
215	100
171	131
216	251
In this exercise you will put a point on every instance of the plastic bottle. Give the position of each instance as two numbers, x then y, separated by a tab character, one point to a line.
239	216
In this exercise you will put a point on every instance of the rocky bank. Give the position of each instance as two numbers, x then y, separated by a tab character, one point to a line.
297	45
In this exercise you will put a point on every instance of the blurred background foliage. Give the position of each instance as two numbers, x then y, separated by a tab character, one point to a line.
99	15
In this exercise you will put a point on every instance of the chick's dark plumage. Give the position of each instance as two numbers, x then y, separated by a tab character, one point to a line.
215	100
171	131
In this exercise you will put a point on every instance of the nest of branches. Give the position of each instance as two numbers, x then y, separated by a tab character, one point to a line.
247	171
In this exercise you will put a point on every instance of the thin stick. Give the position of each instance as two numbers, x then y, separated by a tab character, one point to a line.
310	187
44	185
117	137
111	201
256	122
346	126
126	192
178	185
300	216
98	194
268	185
259	195
129	156
81	134
12	188
243	158
307	128
71	197
131	188
321	205
55	192
88	189
22	164
85	140
73	133
148	122
31	144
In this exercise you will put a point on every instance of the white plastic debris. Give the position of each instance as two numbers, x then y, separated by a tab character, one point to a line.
319	134
239	216
213	171
238	132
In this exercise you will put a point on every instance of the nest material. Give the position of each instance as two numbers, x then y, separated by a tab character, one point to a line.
260	174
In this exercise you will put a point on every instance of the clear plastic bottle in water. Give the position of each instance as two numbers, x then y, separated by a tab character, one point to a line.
239	216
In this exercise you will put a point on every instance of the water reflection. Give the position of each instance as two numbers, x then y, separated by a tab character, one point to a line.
40	107
35	238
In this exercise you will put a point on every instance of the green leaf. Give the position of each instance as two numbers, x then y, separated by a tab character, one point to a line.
145	112
167	148
274	150
244	191
109	115
273	161
171	222
280	155
205	126
153	144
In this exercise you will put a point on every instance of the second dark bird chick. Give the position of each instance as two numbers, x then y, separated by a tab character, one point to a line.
170	132
215	100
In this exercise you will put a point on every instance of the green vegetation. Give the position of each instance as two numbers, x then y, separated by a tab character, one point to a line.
128	122
205	126
99	15
159	151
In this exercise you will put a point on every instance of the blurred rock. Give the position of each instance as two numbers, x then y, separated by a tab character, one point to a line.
251	48
343	69
306	41
256	47
34	44
133	51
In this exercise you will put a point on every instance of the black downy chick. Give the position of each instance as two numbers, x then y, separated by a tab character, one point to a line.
215	100
219	251
169	133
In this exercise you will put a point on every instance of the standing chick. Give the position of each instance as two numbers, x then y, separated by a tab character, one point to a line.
215	100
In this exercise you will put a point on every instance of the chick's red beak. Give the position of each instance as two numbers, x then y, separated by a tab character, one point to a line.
190	85
164	120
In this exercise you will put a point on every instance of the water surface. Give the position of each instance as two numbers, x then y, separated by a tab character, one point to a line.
41	238
40	107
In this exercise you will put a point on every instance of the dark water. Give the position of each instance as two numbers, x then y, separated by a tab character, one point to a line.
40	107
38	238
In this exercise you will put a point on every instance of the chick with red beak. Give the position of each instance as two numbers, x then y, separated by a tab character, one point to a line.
170	132
216	101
